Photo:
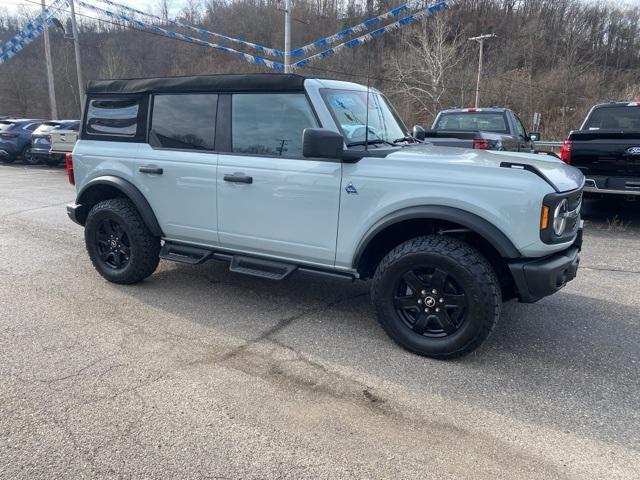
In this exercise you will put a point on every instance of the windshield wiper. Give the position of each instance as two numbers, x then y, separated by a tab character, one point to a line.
371	141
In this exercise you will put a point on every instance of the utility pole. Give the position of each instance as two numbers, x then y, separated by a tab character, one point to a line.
287	36
481	40
47	55
76	44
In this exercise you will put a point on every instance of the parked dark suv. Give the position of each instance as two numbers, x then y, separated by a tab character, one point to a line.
15	139
41	141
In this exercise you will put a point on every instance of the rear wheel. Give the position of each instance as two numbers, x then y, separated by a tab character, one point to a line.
7	159
120	245
436	296
27	157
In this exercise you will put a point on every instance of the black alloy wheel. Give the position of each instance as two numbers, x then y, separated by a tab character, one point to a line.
436	296
113	244
121	247
430	301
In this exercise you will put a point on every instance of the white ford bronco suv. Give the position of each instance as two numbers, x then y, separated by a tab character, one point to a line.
279	174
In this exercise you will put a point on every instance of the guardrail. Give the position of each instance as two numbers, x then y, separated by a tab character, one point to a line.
548	146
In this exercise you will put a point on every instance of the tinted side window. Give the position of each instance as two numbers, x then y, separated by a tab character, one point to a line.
113	117
520	128
183	121
270	123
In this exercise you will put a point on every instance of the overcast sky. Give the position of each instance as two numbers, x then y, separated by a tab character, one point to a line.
153	6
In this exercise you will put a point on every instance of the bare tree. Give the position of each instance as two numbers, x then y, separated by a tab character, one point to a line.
424	68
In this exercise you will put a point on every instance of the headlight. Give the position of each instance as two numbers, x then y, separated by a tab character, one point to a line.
560	217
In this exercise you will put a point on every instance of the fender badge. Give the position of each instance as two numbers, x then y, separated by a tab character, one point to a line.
350	189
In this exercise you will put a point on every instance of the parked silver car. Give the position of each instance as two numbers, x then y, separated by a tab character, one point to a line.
278	174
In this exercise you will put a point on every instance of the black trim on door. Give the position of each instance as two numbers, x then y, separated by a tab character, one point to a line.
223	124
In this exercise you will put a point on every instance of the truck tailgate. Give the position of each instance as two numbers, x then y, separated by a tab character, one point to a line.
606	153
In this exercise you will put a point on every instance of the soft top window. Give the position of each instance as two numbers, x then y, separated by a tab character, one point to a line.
114	118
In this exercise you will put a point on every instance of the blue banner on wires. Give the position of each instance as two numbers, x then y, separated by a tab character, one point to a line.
356	42
171	34
26	34
361	27
273	52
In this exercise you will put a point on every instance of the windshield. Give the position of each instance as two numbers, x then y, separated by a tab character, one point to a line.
614	118
485	121
349	110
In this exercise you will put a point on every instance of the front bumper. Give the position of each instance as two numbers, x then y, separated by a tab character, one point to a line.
628	186
536	278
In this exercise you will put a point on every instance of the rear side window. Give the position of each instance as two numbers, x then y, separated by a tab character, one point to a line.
6	125
120	119
270	124
184	121
485	121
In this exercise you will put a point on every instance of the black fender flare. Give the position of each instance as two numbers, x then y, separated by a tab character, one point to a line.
131	192
469	220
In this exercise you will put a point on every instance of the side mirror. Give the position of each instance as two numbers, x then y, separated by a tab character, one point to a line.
418	133
322	143
534	136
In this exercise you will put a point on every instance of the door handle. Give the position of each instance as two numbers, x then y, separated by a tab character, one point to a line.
238	178
154	170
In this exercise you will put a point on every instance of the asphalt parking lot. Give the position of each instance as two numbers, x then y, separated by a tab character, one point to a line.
201	373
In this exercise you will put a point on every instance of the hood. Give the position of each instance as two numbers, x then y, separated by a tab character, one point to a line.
559	175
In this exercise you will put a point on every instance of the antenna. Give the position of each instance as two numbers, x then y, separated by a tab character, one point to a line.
366	118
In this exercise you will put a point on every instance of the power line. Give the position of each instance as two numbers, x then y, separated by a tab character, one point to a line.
456	88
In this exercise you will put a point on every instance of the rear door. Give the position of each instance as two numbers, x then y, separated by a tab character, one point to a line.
176	169
272	200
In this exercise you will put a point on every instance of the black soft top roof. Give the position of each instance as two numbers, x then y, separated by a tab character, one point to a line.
256	82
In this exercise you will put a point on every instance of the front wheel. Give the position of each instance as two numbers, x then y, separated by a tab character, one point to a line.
436	296
121	247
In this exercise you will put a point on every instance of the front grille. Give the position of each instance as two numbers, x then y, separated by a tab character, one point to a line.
575	199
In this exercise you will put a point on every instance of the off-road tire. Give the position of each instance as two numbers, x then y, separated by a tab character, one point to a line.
470	269
144	247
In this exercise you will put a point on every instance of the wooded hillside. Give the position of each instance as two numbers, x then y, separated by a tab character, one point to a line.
555	57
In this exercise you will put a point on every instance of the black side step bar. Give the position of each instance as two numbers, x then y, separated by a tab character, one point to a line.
184	253
258	267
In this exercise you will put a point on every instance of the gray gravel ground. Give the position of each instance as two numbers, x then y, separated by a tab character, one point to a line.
201	373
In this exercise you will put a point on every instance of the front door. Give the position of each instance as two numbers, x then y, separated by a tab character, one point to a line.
271	200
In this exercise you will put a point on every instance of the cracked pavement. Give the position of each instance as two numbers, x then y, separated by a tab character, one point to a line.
202	373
